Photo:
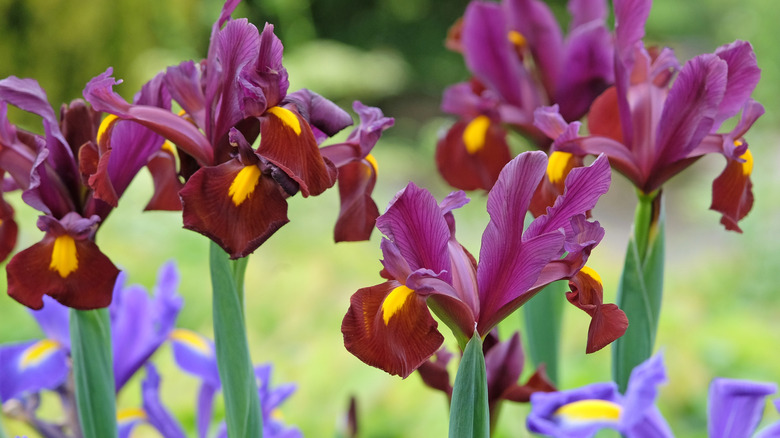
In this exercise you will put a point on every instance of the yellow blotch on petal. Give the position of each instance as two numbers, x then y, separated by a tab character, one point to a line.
372	161
105	125
168	146
475	134
130	414
287	117
64	258
244	184
747	166
591	273
556	166
192	339
517	39
395	301
37	352
584	411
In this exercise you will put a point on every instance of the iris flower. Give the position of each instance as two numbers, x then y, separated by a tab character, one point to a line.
736	407
653	126
520	60
389	325
581	412
140	324
58	173
235	194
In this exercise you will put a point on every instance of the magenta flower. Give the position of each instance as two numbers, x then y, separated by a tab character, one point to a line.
520	60
653	126
389	325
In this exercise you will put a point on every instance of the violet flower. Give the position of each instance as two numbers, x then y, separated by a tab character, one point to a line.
653	127
519	60
59	174
736	408
584	411
139	325
236	194
389	325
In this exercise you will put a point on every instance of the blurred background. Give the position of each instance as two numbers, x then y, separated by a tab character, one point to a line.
721	306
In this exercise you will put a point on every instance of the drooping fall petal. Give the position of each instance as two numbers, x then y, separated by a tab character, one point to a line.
608	322
358	212
732	192
237	206
388	326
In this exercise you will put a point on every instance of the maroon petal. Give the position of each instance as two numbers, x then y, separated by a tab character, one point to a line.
538	382
286	140
503	364
70	269
167	184
388	326
608	322
8	228
238	222
732	192
358	213
472	154
434	372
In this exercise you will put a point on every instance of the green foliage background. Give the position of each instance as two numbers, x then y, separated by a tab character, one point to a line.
720	314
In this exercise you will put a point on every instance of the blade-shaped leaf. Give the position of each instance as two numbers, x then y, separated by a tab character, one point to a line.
469	414
543	316
93	373
640	290
242	405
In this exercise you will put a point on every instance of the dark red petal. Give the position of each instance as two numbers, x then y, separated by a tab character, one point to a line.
398	346
548	190
162	166
8	228
732	194
90	286
358	213
434	372
608	322
238	229
604	116
100	181
538	382
503	364
472	171
295	151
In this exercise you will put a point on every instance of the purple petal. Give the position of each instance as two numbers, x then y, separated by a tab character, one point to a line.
585	11
743	76
184	83
462	100
542	418
206	395
642	390
504	364
691	107
736	406
584	186
54	320
30	367
267	77
320	112
156	414
415	224
195	354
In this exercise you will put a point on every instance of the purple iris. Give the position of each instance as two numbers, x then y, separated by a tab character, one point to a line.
390	326
584	411
520	60
736	408
653	126
139	325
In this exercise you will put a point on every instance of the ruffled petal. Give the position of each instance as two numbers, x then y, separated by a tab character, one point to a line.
30	367
71	270
472	153
388	326
286	140
608	322
732	193
238	221
743	76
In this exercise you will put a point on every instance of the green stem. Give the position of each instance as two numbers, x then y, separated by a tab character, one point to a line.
469	412
242	405
641	288
543	316
93	373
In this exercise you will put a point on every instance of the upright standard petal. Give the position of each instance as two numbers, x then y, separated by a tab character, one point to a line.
388	326
156	414
736	406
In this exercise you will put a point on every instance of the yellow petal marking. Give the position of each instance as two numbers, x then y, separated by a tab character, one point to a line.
556	166
517	39
589	410
168	146
37	352
244	184
105	125
395	301
591	273
191	339
475	133
287	117
130	414
64	258
372	161
747	166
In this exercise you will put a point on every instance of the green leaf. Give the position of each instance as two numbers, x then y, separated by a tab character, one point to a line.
543	316
469	413
640	289
242	405
93	372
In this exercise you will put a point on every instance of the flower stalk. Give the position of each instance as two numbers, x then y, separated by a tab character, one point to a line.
242	404
543	317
